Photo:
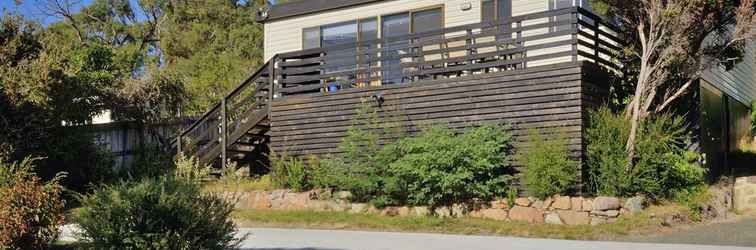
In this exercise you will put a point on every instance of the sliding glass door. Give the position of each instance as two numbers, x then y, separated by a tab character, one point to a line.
403	24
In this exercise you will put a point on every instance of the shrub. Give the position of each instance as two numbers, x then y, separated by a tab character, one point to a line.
606	159
156	213
362	165
548	169
289	172
661	168
189	169
441	168
30	211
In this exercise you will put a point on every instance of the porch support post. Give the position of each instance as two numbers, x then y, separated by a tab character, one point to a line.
224	132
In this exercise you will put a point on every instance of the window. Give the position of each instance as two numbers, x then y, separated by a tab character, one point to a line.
496	10
340	33
427	20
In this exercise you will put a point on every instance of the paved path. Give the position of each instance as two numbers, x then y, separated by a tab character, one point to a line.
296	239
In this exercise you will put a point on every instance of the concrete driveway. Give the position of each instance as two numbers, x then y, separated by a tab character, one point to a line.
298	239
741	232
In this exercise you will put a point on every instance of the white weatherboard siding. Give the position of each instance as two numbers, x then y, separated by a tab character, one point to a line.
286	35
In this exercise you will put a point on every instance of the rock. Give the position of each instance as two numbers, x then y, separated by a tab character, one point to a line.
390	211
571	217
318	205
421	211
523	202
358	208
553	218
373	210
338	206
343	195
587	205
458	210
576	203
634	205
547	204
607	213
562	202
526	214
404	211
604	203
595	221
497	204
538	204
493	214
442	212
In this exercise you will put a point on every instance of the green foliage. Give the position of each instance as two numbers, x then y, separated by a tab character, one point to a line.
549	170
362	165
605	153
662	166
289	172
512	195
156	213
31	211
441	168
189	169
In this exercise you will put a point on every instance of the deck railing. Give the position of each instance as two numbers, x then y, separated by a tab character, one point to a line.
563	35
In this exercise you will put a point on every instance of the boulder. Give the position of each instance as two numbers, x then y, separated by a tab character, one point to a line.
604	203
553	218
421	211
358	208
523	202
571	217
634	205
562	202
595	221
442	212
587	205
343	195
576	203
390	211
493	214
547	204
404	211
526	214
538	204
607	213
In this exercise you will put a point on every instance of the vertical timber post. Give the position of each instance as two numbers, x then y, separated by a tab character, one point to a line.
597	42
574	36
224	134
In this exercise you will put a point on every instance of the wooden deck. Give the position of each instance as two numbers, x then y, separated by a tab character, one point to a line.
530	71
553	96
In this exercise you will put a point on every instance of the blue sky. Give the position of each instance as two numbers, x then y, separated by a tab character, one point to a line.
32	9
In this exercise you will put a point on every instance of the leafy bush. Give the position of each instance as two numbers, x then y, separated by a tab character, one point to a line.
30	211
605	153
548	167
362	165
289	172
189	169
661	168
441	168
156	213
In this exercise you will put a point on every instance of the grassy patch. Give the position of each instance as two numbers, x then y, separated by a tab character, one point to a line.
243	185
642	223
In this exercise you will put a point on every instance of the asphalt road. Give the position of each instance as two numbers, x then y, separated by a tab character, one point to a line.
298	239
741	232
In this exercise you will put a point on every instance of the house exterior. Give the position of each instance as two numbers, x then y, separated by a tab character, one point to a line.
533	64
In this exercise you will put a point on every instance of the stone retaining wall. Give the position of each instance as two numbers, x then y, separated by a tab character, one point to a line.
745	194
556	210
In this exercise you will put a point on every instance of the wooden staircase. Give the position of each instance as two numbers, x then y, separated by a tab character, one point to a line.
236	128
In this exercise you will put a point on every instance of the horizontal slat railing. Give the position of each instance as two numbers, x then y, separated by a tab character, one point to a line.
569	34
218	128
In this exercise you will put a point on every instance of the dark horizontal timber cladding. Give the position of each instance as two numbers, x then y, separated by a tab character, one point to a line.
546	97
